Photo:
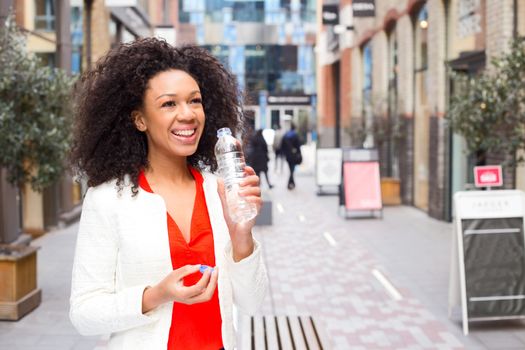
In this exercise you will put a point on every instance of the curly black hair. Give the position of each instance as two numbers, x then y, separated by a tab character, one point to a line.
106	143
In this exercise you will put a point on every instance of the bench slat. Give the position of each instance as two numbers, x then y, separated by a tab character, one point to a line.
284	333
298	337
271	333
323	337
309	332
259	333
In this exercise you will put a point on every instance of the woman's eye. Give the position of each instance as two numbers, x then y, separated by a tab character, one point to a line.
196	100
168	104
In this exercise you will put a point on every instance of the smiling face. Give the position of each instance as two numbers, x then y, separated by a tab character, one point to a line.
172	115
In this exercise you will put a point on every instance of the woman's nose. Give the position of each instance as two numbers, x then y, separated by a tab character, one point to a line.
185	112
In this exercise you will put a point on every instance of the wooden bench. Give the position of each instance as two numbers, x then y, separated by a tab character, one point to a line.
281	333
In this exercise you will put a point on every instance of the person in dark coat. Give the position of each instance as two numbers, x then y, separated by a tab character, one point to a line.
291	148
258	155
277	143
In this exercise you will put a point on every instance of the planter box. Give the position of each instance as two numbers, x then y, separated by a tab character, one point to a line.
18	288
390	191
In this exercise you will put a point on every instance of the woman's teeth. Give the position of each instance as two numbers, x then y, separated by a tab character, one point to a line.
184	133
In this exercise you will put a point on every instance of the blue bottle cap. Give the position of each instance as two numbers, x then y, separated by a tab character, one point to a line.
204	268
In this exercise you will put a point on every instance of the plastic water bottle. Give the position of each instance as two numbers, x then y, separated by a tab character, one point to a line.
230	159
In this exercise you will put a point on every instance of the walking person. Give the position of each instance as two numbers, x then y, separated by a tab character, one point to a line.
258	156
159	264
277	148
291	148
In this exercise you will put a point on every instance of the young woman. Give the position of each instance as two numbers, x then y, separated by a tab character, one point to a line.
154	217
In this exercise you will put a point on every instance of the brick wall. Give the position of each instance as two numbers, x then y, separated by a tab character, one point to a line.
100	41
436	56
499	25
405	85
497	30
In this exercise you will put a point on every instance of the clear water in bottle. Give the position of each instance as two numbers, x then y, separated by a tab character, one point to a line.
230	159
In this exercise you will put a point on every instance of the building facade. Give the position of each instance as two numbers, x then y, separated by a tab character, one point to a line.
72	35
268	45
401	62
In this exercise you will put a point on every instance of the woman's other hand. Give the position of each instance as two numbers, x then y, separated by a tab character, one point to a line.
172	288
241	233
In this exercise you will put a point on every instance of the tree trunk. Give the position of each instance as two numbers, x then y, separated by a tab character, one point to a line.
10	227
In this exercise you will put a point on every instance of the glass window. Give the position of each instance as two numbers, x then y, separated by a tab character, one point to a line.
285	58
367	65
184	17
290	82
273	81
47	59
221	52
422	39
248	11
275	117
255	59
45	15
76	39
255	82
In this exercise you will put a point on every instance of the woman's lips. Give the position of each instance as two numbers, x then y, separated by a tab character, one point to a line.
186	136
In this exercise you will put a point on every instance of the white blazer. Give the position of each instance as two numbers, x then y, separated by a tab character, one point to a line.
123	246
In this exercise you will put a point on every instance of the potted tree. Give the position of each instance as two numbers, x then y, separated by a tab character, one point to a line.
34	138
488	110
375	129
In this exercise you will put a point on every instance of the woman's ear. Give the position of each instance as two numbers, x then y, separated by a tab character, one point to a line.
138	120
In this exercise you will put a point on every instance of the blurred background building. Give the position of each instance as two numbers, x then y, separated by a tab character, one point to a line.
268	45
384	73
359	73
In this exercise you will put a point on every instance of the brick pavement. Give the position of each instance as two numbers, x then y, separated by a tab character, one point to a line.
335	283
310	276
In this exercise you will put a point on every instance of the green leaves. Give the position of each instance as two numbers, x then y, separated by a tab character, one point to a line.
489	110
35	113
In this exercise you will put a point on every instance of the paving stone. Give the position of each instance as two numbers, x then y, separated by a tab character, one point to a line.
309	276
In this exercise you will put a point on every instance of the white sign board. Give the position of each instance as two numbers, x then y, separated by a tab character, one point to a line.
328	166
488	266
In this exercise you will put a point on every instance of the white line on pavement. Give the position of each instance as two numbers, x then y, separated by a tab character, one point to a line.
302	218
280	208
330	239
387	285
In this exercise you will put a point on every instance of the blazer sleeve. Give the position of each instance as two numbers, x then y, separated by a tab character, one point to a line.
96	307
248	278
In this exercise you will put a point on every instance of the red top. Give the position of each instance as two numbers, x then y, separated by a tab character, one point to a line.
196	326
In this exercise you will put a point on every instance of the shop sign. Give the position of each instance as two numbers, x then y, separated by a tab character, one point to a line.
330	15
364	8
289	100
488	176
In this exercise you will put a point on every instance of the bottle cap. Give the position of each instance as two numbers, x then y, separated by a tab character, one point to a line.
204	268
223	132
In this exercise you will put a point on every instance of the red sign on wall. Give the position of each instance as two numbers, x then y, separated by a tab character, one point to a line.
488	176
